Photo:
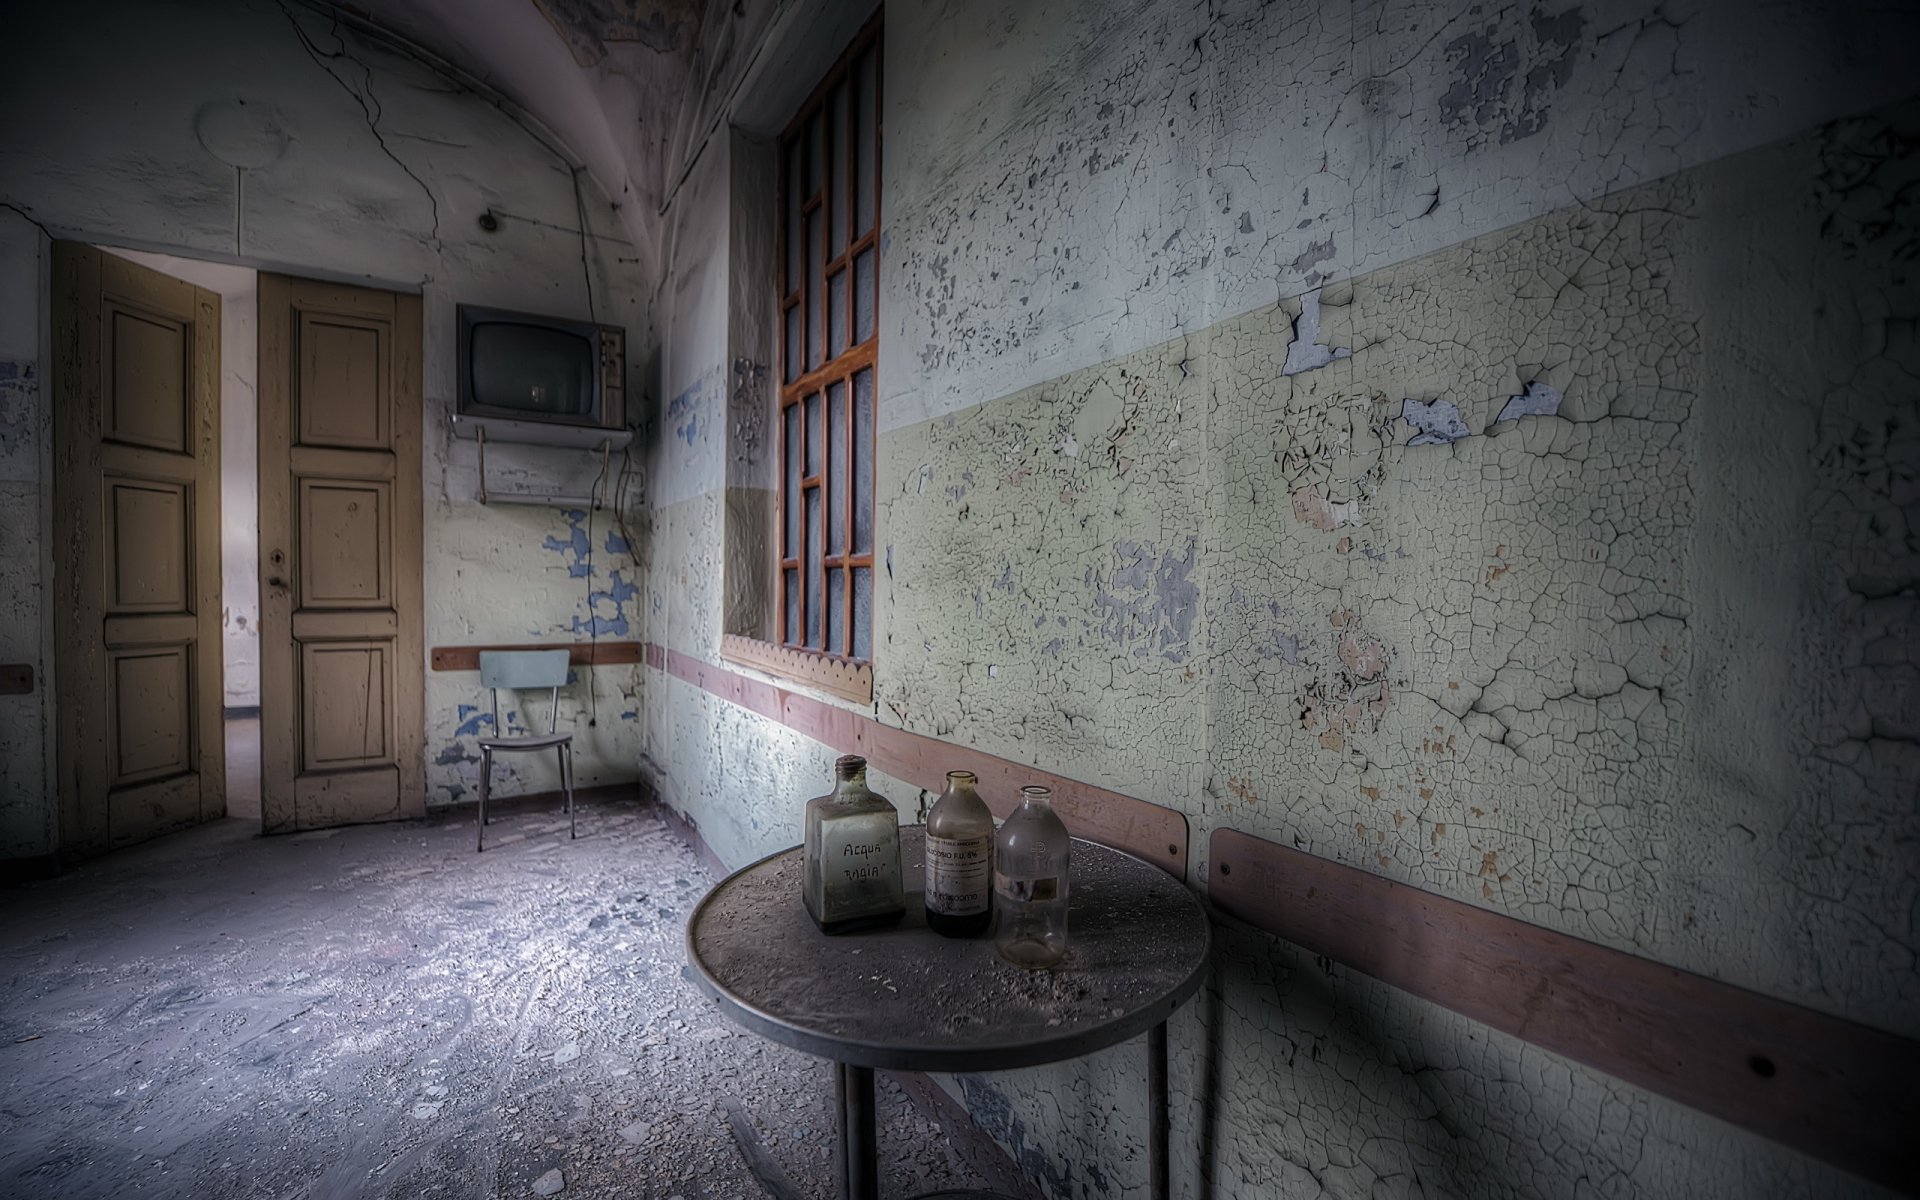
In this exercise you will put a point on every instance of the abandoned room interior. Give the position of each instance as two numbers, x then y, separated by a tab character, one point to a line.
1429	489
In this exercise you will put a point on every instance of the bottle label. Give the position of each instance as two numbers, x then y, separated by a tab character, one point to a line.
958	875
1029	891
861	872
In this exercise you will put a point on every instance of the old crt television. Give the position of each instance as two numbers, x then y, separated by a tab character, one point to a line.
527	368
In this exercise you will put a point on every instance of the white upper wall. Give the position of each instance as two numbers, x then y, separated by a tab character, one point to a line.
1066	182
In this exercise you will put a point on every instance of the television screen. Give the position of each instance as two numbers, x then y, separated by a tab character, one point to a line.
531	370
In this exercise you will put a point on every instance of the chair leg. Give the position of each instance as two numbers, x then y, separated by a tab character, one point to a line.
486	774
573	819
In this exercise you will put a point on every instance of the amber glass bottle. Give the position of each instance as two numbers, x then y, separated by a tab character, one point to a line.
959	860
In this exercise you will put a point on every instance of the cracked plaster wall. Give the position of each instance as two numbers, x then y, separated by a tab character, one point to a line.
365	164
1491	432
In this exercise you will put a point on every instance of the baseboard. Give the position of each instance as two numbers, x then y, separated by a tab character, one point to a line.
688	831
986	1157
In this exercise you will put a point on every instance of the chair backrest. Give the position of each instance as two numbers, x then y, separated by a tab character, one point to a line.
523	668
515	669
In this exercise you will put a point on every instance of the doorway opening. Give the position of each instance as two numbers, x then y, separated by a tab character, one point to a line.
238	289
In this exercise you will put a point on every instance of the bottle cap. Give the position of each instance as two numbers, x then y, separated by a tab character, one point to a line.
847	764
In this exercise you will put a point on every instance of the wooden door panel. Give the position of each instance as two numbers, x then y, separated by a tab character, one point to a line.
344	392
347	692
342	661
149	546
346	544
149	392
150	697
137	527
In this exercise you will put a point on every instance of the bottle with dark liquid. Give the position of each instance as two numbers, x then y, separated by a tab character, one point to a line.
1030	863
850	858
959	860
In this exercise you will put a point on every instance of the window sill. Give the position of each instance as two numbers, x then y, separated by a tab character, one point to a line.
828	673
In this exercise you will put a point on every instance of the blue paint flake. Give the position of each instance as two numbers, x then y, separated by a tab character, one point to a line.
471	719
683	411
574	544
1438	421
615	595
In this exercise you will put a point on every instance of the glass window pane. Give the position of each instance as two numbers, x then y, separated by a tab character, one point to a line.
815	332
791	635
791	451
865	185
793	343
813	434
837	313
863	462
792	198
863	285
837	174
812	572
863	612
816	150
836	610
837	469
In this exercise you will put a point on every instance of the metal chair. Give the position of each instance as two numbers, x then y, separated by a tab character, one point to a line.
513	670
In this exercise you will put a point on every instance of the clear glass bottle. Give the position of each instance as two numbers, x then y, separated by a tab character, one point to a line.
1030	883
851	855
959	860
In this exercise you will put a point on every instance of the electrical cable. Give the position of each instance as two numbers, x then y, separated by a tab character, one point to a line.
580	216
593	618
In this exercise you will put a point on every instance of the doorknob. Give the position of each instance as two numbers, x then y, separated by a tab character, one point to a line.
276	581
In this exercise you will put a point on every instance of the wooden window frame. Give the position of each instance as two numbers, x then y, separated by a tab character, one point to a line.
790	647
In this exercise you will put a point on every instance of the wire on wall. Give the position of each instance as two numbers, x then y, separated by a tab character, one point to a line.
580	218
593	618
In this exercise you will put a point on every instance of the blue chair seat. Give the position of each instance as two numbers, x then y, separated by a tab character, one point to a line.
533	741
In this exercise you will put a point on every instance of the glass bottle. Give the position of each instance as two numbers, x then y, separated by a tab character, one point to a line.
1030	883
959	860
851	855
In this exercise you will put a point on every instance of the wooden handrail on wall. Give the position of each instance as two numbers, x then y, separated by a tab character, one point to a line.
1151	832
581	654
1834	1089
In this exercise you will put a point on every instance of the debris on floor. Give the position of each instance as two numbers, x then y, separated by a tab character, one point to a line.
383	1012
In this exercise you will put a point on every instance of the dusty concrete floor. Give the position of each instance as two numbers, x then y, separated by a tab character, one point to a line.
379	1011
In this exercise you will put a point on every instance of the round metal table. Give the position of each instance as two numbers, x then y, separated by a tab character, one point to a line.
904	998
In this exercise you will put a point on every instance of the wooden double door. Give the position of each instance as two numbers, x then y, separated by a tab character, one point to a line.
140	732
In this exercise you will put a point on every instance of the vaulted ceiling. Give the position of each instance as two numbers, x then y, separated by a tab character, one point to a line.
621	82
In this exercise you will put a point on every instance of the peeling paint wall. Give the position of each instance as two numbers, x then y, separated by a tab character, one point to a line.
1474	445
26	722
271	135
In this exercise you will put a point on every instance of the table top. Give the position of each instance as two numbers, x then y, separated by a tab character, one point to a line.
905	998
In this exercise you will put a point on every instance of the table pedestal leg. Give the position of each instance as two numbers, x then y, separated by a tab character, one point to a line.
1157	1111
859	1146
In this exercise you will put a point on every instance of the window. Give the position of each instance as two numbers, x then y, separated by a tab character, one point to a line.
829	205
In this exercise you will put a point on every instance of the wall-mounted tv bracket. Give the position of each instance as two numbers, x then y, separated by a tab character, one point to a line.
550	499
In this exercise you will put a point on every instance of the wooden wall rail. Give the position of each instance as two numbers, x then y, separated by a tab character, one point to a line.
1148	831
1837	1090
581	654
